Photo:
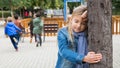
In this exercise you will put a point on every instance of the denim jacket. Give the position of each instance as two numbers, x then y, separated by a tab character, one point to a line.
67	56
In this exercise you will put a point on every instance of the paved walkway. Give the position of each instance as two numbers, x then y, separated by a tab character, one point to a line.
116	51
45	56
28	56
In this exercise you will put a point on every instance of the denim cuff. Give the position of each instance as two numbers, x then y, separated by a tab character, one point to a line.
80	58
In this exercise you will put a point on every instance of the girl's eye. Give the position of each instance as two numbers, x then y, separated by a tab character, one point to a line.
83	23
76	21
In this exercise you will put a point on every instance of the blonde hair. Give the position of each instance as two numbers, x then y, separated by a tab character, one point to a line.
9	19
77	11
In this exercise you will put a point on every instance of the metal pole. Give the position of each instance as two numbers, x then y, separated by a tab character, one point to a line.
65	10
82	2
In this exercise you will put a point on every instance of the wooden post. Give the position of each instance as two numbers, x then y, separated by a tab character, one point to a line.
100	31
113	24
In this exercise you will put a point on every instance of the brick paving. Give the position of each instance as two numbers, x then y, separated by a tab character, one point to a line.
30	56
116	51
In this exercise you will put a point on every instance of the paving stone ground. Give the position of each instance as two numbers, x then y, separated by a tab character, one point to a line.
30	56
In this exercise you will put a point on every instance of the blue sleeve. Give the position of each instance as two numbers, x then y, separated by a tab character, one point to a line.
17	28
66	52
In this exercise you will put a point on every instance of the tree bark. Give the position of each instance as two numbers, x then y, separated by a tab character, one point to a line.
100	31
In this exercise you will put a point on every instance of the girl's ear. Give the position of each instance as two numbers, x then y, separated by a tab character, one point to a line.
84	15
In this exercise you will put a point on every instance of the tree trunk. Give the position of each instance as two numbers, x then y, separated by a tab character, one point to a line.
100	31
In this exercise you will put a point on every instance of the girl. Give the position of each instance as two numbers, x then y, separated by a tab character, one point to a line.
72	43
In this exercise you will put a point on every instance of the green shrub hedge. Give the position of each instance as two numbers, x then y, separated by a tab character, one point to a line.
116	12
8	13
5	13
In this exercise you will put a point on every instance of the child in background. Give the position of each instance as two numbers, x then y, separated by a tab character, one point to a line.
17	22
13	32
31	28
37	28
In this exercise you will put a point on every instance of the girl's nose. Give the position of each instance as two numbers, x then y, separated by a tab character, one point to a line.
78	25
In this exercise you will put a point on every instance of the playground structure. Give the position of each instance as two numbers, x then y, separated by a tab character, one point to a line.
116	24
51	25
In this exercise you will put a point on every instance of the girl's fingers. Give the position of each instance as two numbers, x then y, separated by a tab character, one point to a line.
97	61
99	56
84	15
91	52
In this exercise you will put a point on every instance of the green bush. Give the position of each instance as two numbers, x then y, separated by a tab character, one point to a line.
116	12
5	13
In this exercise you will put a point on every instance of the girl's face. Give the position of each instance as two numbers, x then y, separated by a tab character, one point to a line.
78	23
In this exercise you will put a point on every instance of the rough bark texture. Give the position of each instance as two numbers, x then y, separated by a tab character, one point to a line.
99	31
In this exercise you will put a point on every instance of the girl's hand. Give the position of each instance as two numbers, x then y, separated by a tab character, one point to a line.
98	56
91	57
84	15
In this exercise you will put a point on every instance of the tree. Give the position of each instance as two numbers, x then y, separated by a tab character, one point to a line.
12	4
116	3
99	31
72	5
116	7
